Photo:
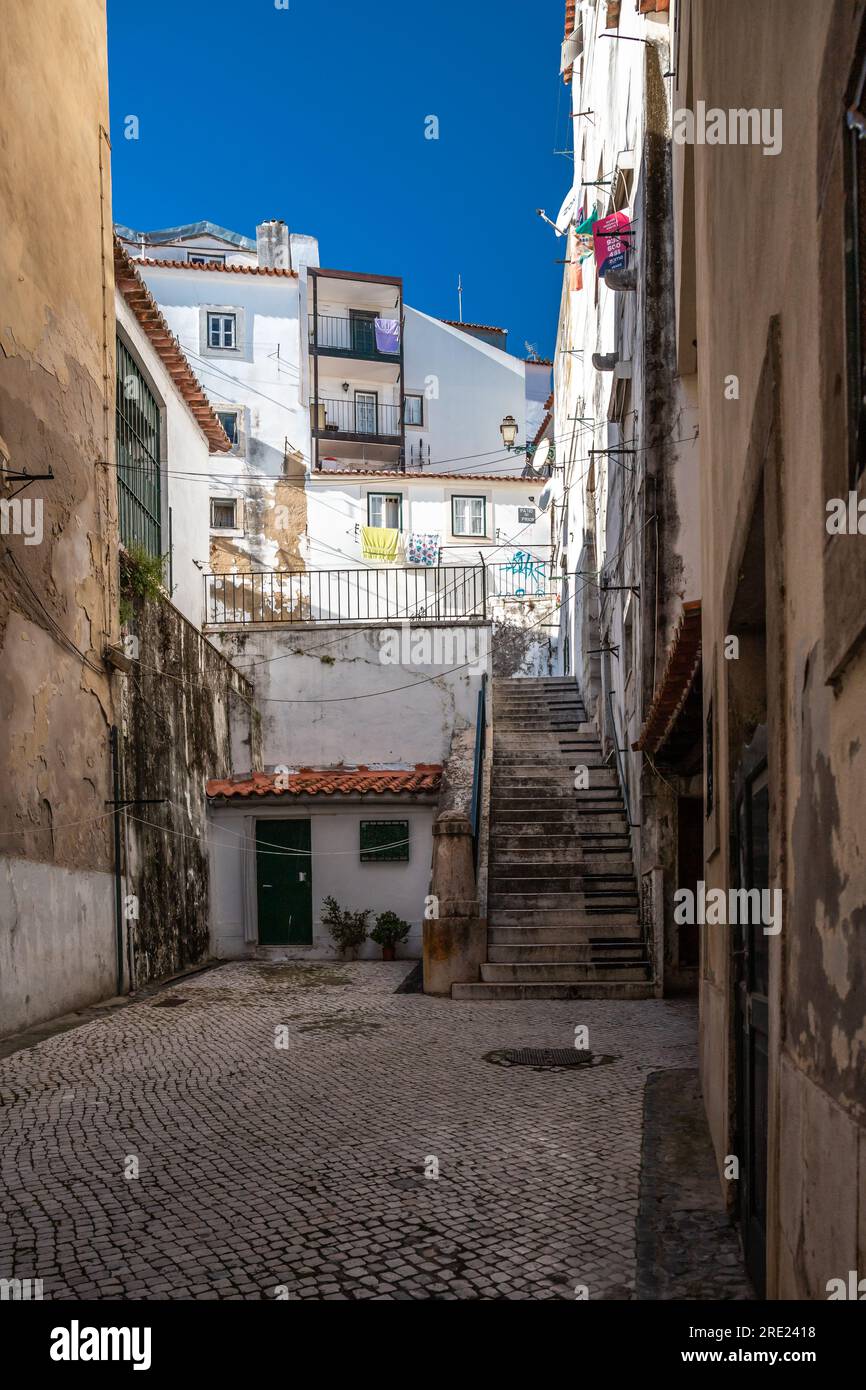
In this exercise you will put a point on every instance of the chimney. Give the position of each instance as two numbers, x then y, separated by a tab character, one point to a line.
272	245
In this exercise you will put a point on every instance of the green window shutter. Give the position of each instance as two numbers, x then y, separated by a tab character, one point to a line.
384	841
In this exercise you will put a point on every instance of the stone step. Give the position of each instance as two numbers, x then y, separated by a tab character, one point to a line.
563	972
535	861
561	952
526	879
587	903
607	924
589	935
550	989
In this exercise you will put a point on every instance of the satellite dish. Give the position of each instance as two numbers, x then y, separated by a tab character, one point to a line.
566	212
542	454
551	492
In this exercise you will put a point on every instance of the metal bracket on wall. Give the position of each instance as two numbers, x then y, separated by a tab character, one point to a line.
25	478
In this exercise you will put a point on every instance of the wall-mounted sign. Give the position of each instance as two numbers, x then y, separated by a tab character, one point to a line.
525	515
611	236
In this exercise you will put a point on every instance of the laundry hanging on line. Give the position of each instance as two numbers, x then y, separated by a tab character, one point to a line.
379	543
422	548
387	335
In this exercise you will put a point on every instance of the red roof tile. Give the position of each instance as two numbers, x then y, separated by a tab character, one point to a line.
308	781
146	310
542	427
653	6
570	19
480	327
216	265
683	664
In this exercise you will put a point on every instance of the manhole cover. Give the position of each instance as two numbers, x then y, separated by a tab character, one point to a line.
548	1057
168	1003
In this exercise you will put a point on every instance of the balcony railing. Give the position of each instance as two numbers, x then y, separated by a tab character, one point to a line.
356	337
446	593
364	416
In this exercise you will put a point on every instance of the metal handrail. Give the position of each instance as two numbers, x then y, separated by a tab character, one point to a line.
388	593
478	766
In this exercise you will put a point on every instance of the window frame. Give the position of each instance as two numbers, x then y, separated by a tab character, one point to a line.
205	257
207	312
413	396
481	497
236	527
403	853
398	496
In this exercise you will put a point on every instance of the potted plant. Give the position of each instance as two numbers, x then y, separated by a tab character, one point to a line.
389	932
348	929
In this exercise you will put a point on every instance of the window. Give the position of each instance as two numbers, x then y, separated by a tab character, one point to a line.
222	330
206	258
224	514
413	412
385	509
137	430
468	516
384	841
229	421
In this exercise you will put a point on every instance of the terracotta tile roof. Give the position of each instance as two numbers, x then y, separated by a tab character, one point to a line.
653	6
146	310
570	20
683	664
538	361
216	265
548	404
426	477
308	781
542	427
479	327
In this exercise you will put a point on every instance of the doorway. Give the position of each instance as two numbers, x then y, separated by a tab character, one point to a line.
284	884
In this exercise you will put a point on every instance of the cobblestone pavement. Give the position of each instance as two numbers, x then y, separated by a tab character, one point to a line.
300	1171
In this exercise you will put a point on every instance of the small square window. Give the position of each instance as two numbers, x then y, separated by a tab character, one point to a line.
385	509
206	258
224	514
414	410
229	421
469	516
384	841
222	330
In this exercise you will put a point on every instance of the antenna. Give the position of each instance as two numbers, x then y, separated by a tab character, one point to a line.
460	296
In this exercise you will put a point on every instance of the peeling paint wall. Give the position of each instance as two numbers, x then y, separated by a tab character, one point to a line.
187	717
58	598
770	310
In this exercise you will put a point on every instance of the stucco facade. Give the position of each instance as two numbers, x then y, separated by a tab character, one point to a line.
59	597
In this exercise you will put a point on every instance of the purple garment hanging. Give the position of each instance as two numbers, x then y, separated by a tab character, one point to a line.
387	335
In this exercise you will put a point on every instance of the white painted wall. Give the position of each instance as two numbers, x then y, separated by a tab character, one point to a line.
185	460
336	868
331	696
469	388
262	378
337	509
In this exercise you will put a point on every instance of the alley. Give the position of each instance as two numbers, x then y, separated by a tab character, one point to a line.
300	1171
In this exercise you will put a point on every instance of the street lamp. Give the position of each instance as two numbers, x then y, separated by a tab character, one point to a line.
508	429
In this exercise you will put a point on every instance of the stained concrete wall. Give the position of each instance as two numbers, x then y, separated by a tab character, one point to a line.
770	309
58	599
187	716
331	695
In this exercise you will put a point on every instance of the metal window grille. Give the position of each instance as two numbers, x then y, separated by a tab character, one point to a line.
137	425
384	841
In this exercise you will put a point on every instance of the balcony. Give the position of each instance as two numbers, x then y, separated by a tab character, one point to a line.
355	337
362	418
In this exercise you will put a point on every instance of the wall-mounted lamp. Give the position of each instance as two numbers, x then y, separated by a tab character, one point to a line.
508	429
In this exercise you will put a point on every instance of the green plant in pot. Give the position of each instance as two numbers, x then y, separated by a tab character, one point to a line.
389	932
348	929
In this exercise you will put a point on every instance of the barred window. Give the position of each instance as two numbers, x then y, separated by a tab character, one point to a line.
137	428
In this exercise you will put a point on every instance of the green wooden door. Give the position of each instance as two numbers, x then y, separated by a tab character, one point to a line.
284	882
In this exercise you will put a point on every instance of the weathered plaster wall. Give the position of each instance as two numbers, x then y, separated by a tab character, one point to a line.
58	599
752	288
334	695
187	717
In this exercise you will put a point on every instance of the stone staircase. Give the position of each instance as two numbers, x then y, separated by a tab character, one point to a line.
563	909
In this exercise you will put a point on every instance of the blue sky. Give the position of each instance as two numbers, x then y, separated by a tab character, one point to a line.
316	114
